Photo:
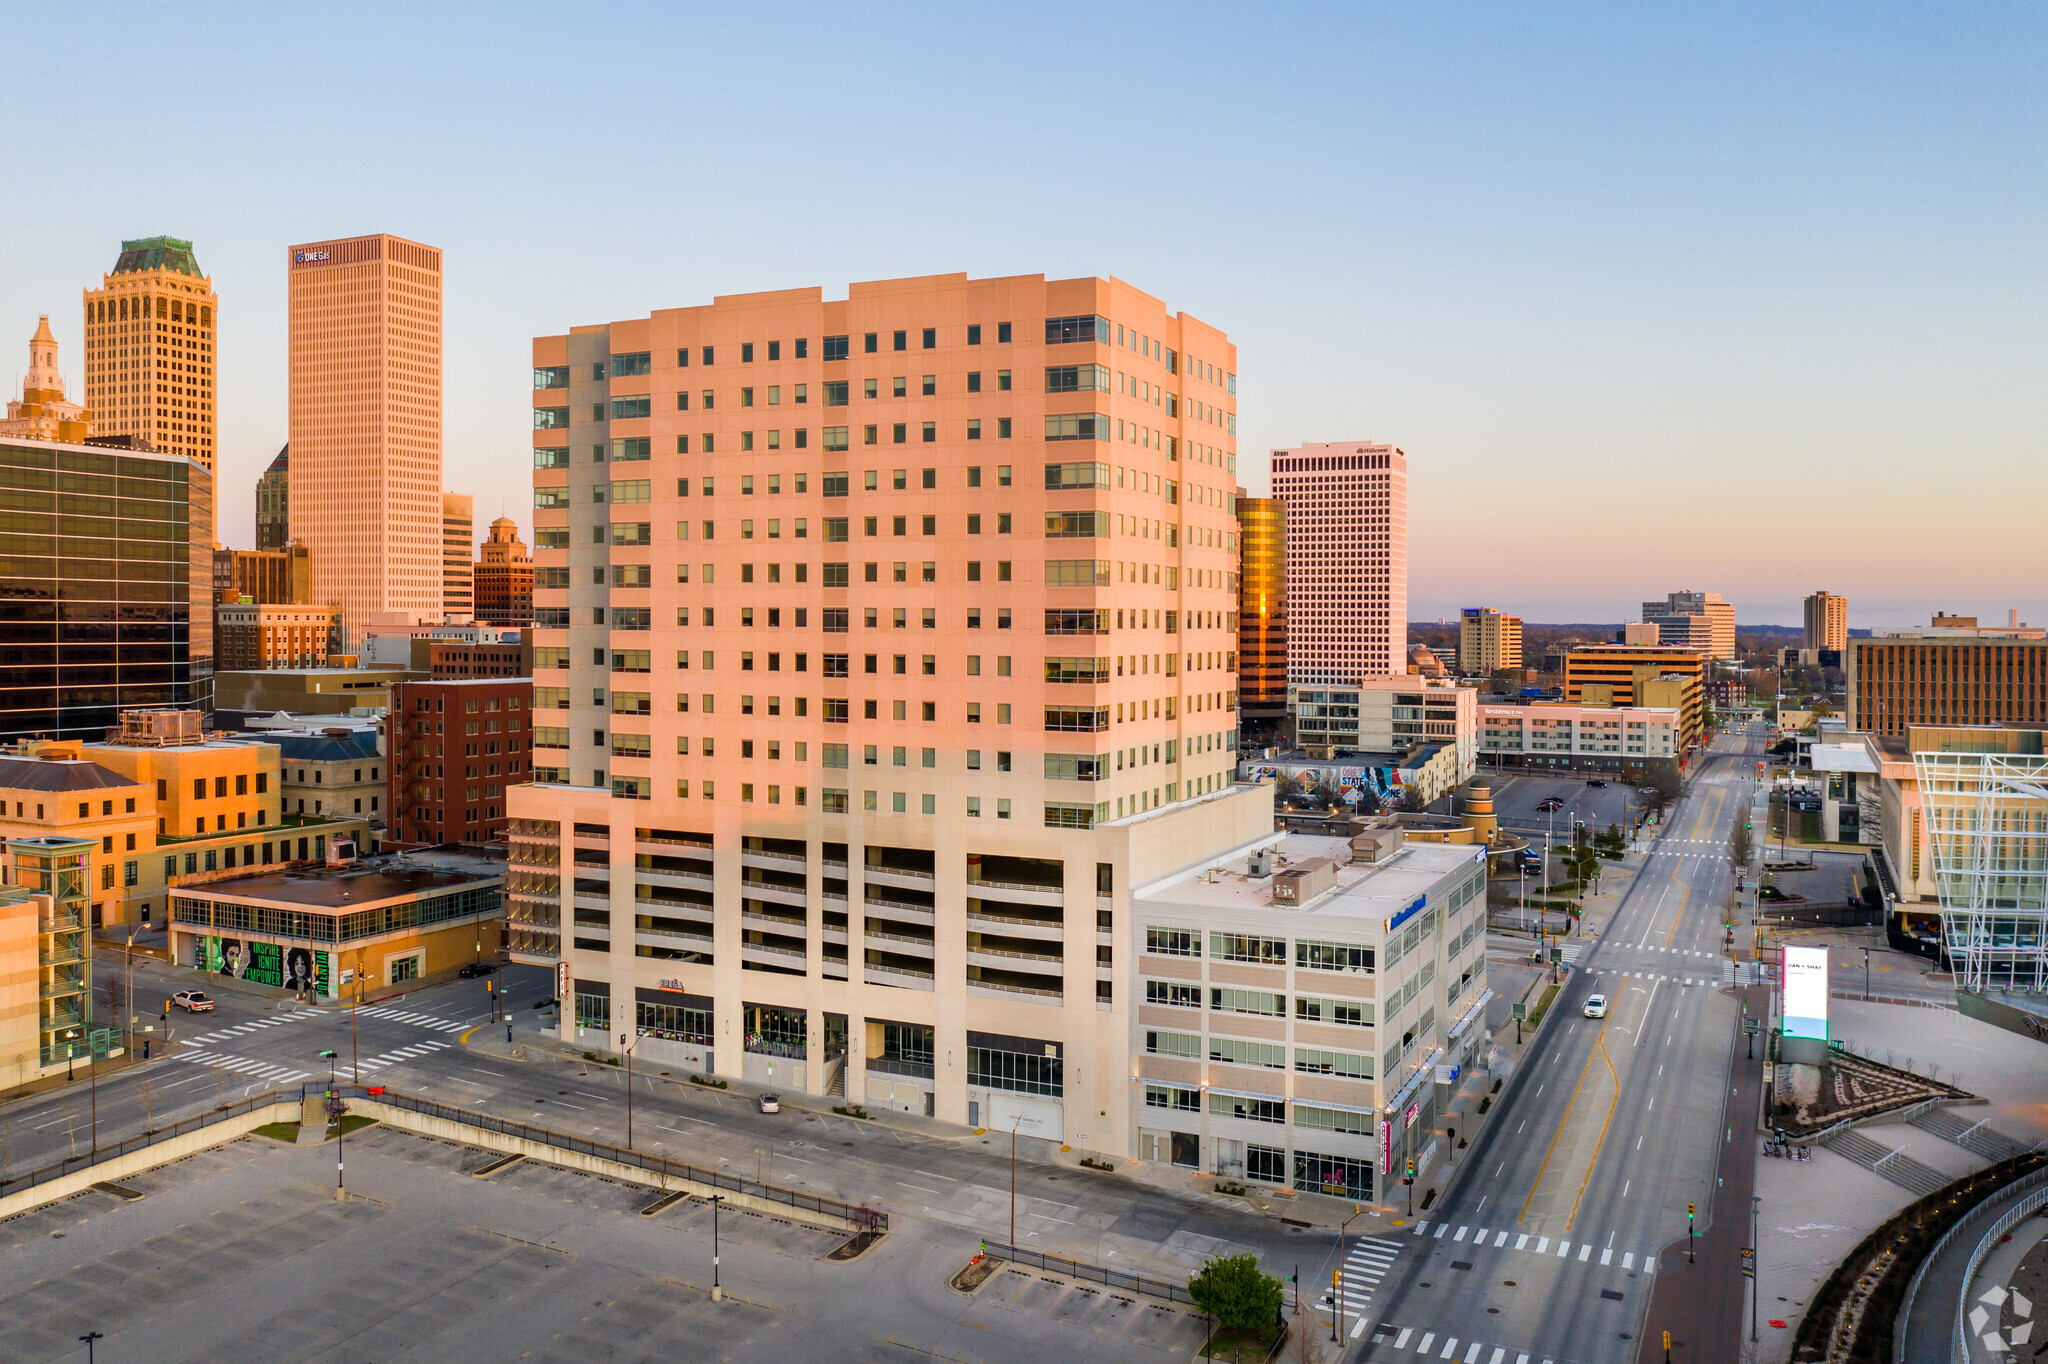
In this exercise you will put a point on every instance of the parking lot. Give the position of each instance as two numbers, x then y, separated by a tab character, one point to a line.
1516	796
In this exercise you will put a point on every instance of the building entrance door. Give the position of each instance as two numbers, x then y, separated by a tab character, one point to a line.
1187	1149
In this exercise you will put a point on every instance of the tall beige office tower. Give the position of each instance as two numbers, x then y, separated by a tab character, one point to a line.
458	551
365	434
1488	641
1827	621
149	349
1347	559
1701	620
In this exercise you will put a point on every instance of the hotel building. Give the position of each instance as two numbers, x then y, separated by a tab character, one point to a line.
1262	610
1347	559
150	330
1827	621
1570	738
812	808
365	429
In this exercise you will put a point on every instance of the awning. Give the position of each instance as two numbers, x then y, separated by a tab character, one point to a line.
1246	1094
1424	1070
1465	1019
1341	1108
1169	1084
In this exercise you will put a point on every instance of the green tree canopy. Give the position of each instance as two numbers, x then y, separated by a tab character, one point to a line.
1235	1291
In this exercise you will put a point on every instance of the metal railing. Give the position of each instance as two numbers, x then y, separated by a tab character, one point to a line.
1904	1316
140	1142
2028	1205
1075	1269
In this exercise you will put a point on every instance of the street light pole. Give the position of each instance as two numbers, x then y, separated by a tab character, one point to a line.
716	1291
89	1337
629	1087
1013	1179
1756	1254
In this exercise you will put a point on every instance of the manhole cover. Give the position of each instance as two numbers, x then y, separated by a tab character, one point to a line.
1493	1311
1625	1335
1424	1285
1507	1283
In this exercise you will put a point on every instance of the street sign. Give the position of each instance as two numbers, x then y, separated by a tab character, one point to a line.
1521	1011
1749	1262
1752	1026
1557	954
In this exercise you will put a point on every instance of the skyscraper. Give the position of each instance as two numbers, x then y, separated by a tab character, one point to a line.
1488	641
1262	609
274	503
1677	620
150	330
862	811
458	545
1827	621
1347	559
504	577
365	436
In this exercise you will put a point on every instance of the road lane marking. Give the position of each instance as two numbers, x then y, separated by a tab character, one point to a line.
1628	1260
1461	1233
1401	1341
921	1188
1521	1240
1585	1250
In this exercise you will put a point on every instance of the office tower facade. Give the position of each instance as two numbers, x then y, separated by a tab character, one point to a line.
831	817
457	747
106	611
458	546
365	438
42	413
1656	675
1262	609
1958	674
1698	620
251	635
504	577
1827	621
1347	559
274	502
1488	641
150	333
271	577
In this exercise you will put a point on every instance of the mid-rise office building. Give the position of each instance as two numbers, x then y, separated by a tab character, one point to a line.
253	635
504	577
268	577
1827	621
1262	610
1559	735
455	748
107	610
150	334
365	438
458	545
1954	672
1347	559
1488	641
1661	675
42	412
274	502
46	1006
336	771
1389	715
819	807
1678	619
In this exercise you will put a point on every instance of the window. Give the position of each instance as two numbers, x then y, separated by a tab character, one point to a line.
1076	525
835	347
1076	426
1348	1013
551	376
1021	1071
1063	816
1252	1110
1173	1044
1077	573
1076	379
1170	1096
630	407
1077	719
1059	476
1060	331
1334	956
1082	670
1173	942
1077	622
1248	1002
1173	993
1247	947
1350	1065
1076	767
931	338
632	365
1333	1120
1269	1055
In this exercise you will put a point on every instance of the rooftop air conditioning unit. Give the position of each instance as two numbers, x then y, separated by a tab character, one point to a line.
1259	863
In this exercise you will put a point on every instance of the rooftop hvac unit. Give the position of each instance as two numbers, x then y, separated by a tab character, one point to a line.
1259	863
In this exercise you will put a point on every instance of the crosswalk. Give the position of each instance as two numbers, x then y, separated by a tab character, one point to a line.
246	1067
417	1020
1424	1344
401	1055
1495	1238
254	1025
1364	1267
1613	973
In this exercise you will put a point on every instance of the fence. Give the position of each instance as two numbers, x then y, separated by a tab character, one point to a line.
1108	1278
129	1145
866	1218
1904	1317
2028	1205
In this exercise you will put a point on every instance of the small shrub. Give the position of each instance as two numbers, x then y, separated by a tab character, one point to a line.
1429	1196
708	1084
856	1111
611	1060
1496	1086
1485	1103
590	1056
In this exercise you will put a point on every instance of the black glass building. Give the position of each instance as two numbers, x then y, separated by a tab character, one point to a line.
106	573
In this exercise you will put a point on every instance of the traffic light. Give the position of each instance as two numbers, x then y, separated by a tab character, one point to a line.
1411	1169
1688	1214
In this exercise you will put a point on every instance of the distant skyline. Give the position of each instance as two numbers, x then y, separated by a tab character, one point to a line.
1743	300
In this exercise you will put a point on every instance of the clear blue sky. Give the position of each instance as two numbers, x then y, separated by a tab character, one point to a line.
1748	300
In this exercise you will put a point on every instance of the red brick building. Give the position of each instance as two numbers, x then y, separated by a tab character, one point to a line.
453	660
454	746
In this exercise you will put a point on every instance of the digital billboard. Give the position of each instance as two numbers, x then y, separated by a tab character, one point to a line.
1806	992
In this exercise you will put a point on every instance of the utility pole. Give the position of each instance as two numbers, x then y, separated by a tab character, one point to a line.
354	1052
629	1087
1013	1179
1755	1285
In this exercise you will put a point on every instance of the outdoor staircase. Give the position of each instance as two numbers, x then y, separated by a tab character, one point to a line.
835	1083
1974	1137
1900	1168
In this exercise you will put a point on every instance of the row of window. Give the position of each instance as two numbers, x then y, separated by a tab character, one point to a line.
1239	1051
1308	1008
1246	947
1252	1109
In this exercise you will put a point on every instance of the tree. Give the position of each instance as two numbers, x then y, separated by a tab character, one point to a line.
1740	844
1237	1293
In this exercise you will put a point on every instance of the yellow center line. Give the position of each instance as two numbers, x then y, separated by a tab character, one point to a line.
1600	1048
1538	1183
464	1039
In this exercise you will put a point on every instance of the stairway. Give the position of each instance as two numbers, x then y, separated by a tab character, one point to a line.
1900	1168
1974	1137
835	1083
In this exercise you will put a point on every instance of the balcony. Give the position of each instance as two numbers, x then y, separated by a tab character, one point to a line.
680	908
651	841
700	880
1016	926
900	976
63	952
1022	893
63	985
60	922
897	909
1004	958
996	990
782	895
57	1019
585	900
699	941
834	933
900	878
758	857
772	956
774	923
901	943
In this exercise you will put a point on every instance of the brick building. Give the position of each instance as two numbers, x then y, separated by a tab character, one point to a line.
454	746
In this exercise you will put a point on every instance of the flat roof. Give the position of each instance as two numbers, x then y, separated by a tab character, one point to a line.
356	886
1374	891
1842	758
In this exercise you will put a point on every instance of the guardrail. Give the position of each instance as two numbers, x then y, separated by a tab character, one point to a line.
1075	1269
1959	1350
1904	1316
866	1218
142	1141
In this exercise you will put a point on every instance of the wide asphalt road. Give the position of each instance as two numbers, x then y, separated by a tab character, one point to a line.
1545	1247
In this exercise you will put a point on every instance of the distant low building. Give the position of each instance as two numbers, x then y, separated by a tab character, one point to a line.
1560	736
338	771
252	636
504	578
1629	675
269	577
454	748
249	694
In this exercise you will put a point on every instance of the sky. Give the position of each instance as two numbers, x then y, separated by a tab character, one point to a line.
1738	299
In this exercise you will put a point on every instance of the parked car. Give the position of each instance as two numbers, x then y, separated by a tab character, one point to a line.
478	968
1596	1006
1550	804
769	1103
1595	781
192	1001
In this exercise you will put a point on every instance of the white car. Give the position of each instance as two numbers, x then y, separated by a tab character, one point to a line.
769	1103
192	1001
1596	1006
